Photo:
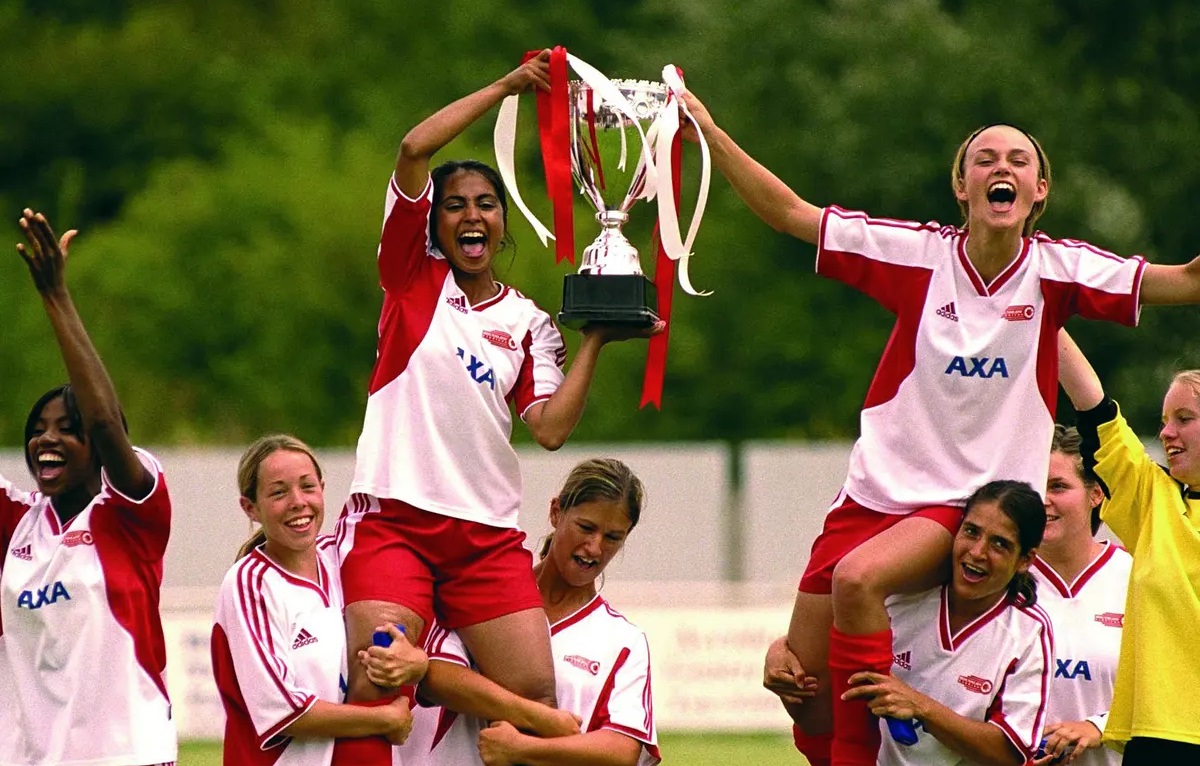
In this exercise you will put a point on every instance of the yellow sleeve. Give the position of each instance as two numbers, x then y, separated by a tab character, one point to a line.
1128	474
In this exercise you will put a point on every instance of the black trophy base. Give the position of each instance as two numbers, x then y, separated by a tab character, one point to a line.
614	299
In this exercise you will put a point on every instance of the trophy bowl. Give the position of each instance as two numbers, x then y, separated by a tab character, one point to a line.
608	167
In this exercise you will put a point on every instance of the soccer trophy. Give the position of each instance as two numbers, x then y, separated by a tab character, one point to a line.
617	136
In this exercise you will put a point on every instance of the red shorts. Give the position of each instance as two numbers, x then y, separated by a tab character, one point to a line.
849	525
462	572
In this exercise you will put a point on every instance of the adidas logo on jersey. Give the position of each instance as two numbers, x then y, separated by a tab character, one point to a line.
303	638
903	659
25	552
583	663
947	312
458	303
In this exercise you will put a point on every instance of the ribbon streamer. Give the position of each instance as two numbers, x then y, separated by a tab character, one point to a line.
677	248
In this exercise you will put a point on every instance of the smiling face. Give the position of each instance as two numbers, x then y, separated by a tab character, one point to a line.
1000	179
1069	503
289	502
986	554
469	223
586	537
60	459
1180	433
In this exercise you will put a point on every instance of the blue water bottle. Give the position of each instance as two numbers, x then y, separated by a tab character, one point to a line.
904	731
383	639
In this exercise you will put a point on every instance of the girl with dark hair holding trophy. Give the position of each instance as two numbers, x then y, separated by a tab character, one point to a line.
431	523
964	386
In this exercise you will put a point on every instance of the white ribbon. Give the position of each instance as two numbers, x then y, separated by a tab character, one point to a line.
504	139
676	248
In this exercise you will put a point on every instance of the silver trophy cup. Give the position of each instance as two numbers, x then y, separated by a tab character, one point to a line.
606	162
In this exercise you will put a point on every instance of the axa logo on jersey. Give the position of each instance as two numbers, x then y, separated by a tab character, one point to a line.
1071	669
978	367
476	369
36	599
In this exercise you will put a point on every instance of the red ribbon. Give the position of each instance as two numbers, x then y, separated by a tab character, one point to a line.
664	283
555	131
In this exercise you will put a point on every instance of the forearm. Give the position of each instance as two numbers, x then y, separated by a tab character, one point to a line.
443	126
553	423
462	690
595	748
977	741
329	720
763	192
1075	373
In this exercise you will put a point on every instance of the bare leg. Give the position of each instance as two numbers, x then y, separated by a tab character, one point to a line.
808	638
494	643
362	617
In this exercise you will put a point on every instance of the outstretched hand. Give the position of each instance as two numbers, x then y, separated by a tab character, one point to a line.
699	112
886	695
608	333
534	74
46	255
784	676
400	664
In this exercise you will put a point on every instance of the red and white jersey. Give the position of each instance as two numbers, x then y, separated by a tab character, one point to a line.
601	674
995	669
441	737
278	646
1088	615
969	378
438	421
83	641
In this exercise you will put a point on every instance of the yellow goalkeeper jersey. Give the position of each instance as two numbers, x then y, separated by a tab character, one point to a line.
1157	691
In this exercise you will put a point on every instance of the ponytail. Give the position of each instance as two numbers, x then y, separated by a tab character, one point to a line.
258	538
1022	589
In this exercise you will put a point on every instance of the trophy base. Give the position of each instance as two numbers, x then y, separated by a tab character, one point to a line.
624	299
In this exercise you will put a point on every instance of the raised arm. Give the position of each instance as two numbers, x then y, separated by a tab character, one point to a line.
770	198
103	422
1076	375
443	126
462	690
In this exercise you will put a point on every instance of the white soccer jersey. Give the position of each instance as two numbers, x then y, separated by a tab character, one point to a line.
996	669
81	628
601	674
278	646
969	378
441	737
1087	615
438	421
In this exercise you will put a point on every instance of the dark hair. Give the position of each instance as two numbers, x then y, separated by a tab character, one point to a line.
1066	441
67	394
958	168
600	479
443	172
1027	511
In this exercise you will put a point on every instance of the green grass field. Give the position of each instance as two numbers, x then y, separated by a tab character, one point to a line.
677	750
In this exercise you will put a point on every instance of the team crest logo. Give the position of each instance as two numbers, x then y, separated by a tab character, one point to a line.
500	338
1111	619
78	537
976	684
1018	313
583	663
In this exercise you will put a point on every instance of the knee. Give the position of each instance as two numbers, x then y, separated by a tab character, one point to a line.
857	581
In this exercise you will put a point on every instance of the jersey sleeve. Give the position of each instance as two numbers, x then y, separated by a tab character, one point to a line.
1121	463
625	704
404	243
13	505
541	370
884	259
443	645
146	522
1100	285
254	664
1019	707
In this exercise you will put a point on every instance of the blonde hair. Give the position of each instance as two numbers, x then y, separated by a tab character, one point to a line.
957	171
247	474
1189	378
600	479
